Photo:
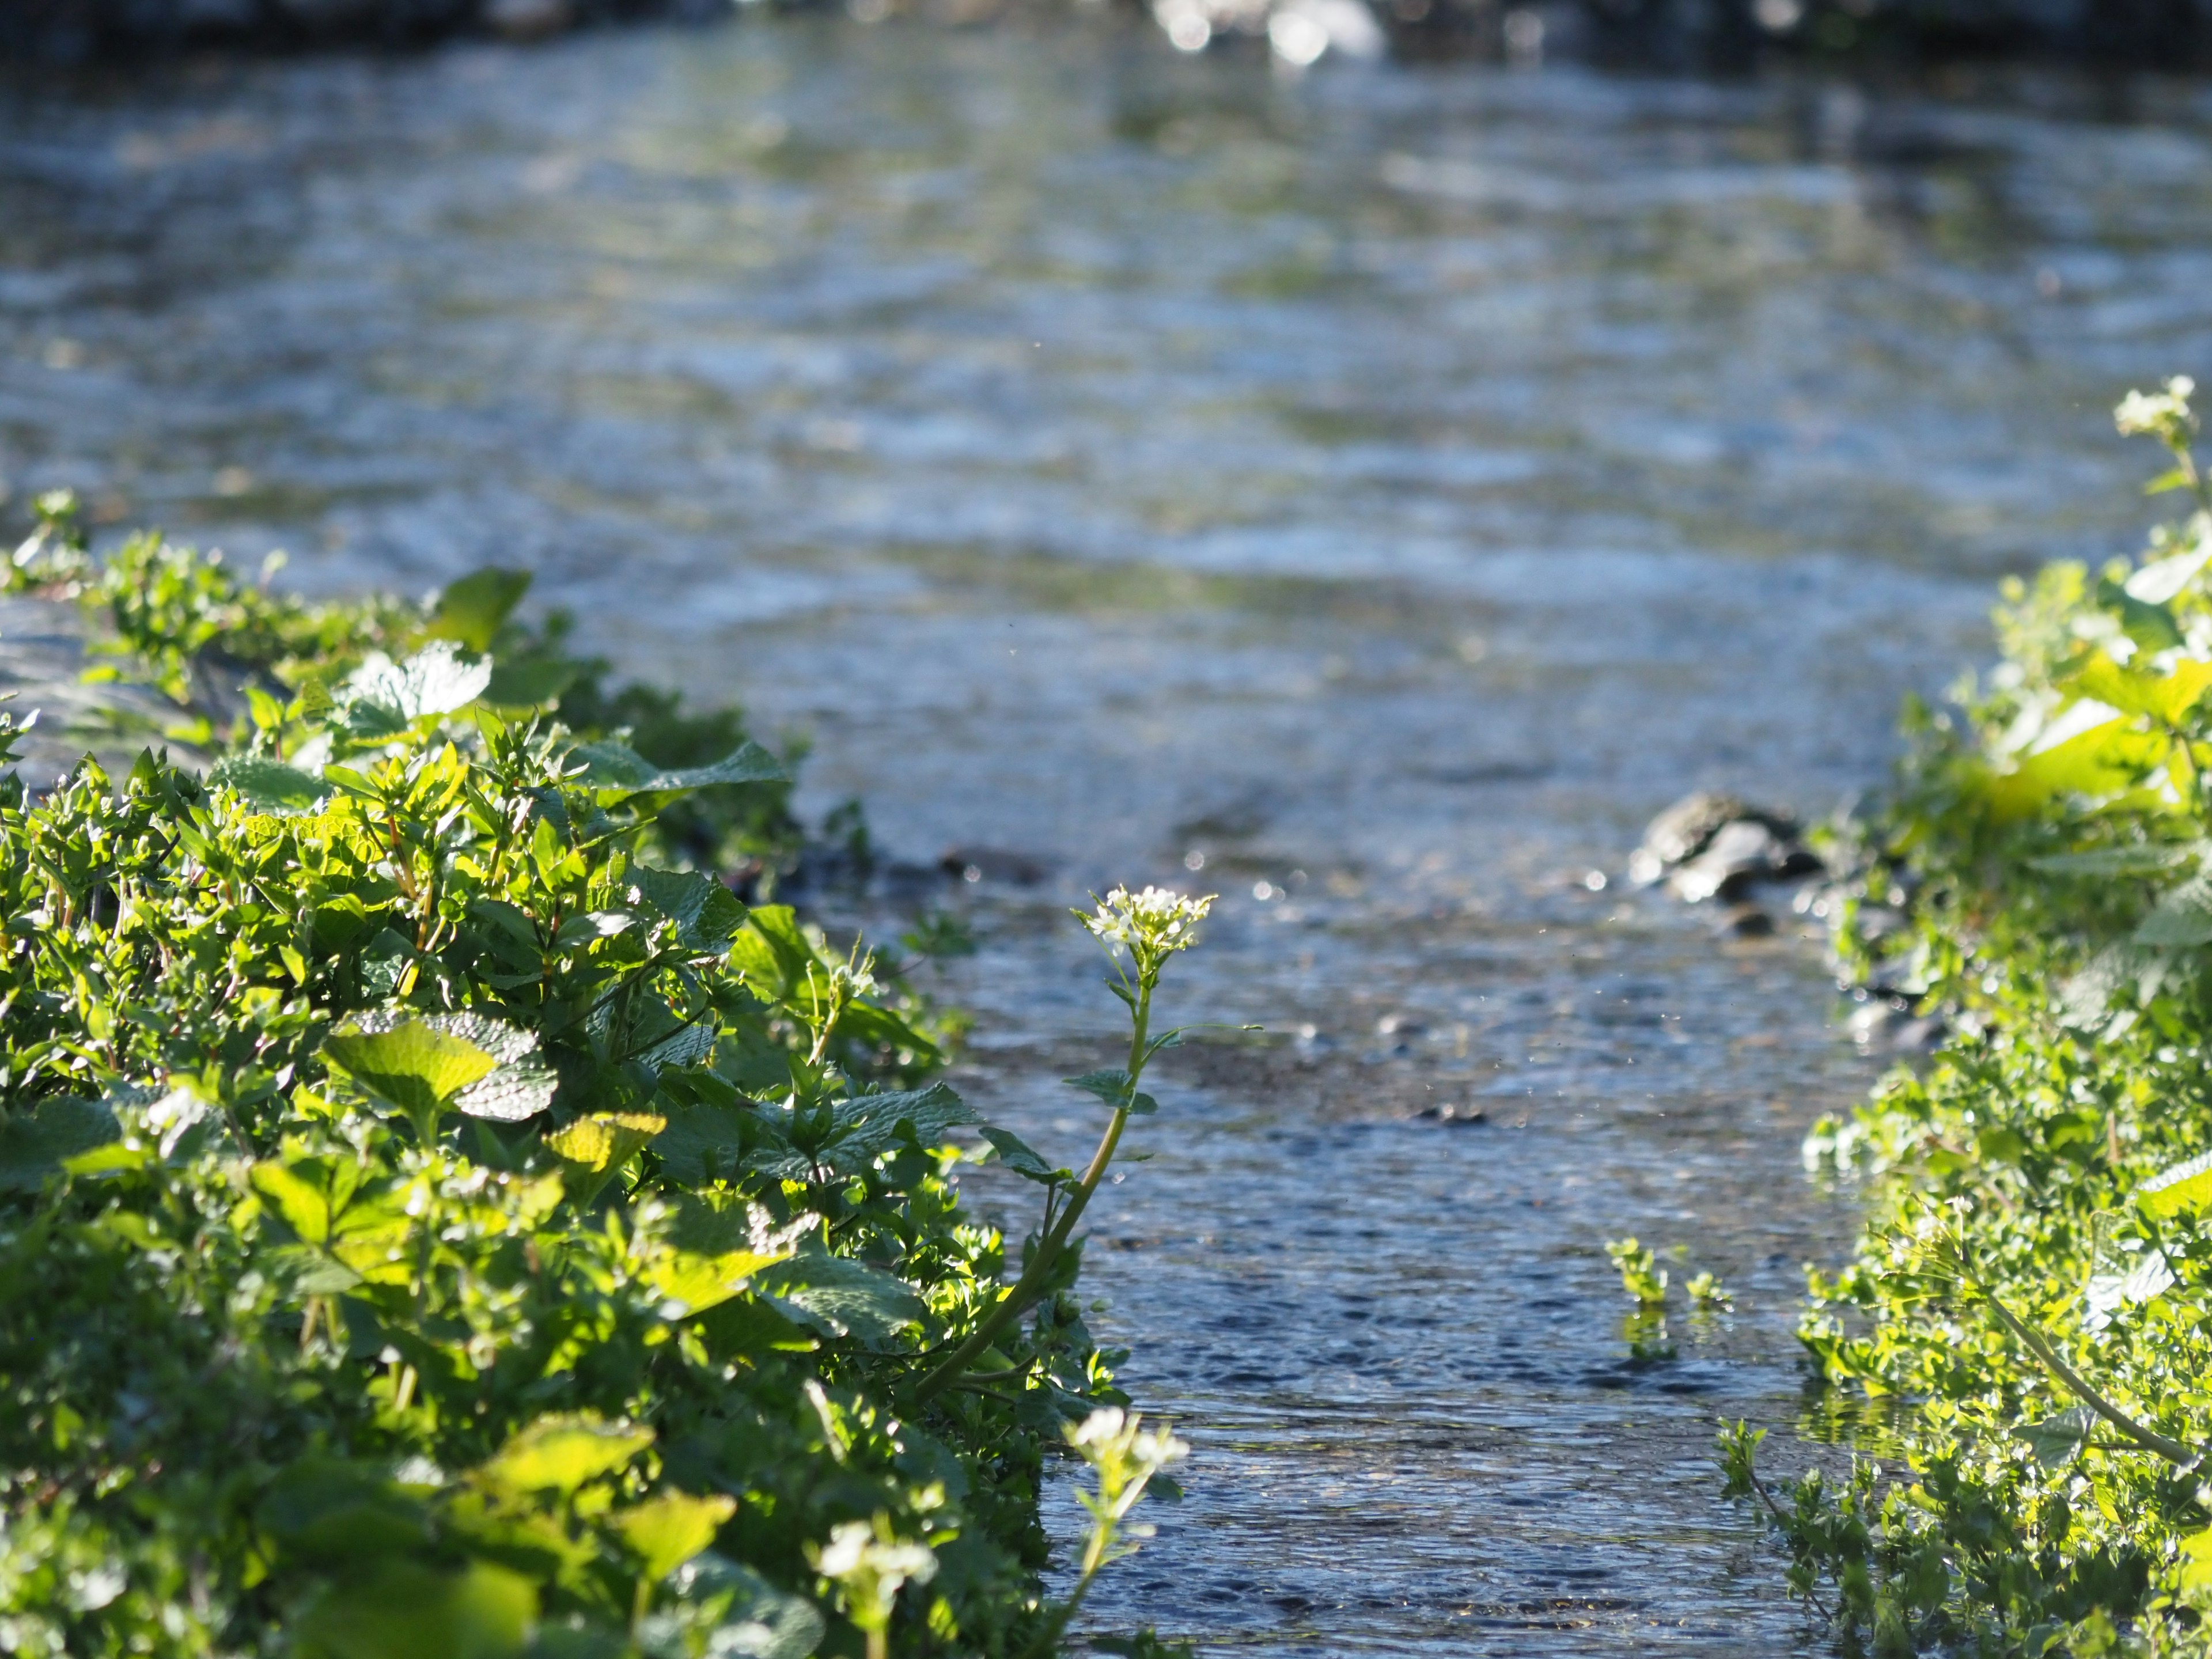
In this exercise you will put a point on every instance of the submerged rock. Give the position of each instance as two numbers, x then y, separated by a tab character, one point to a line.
1744	921
1709	846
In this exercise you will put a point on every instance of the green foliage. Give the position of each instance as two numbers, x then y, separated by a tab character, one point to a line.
1641	1275
234	654
430	1222
2034	1284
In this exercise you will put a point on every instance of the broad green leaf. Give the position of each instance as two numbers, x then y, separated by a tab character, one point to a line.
761	1622
615	770
519	1086
268	786
471	611
302	1202
667	1531
601	1143
563	1452
2089	751
753	1325
701	1282
435	681
2057	1441
702	1143
35	1142
413	1067
2117	860
2152	627
865	1126
529	681
2182	916
1113	1088
838	1296
405	1610
341	1514
2185	1189
2164	697
510	1094
2197	1561
706	913
1017	1155
339	921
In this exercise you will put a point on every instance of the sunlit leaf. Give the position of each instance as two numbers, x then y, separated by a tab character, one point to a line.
562	1453
268	786
406	1610
667	1531
2057	1441
470	611
615	770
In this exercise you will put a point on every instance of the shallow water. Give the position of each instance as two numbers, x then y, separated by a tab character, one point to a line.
1381	489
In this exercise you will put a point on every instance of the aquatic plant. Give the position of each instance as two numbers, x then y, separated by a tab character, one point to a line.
2034	1284
433	1221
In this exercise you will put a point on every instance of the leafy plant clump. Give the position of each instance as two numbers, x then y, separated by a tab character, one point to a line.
2034	1285
432	1220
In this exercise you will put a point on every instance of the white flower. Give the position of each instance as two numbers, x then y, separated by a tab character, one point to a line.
2162	415
1149	924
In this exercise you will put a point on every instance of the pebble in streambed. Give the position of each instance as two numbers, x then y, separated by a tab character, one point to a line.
1717	849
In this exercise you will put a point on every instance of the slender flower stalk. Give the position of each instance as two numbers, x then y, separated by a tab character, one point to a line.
1139	931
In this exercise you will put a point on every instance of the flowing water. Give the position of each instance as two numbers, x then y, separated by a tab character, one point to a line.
1367	494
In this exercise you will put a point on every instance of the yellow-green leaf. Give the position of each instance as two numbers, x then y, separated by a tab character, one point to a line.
667	1531
563	1453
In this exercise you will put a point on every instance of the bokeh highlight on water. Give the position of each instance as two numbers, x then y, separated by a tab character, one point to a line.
1368	494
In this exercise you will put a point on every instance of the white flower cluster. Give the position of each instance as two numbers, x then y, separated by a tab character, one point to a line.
1149	924
1110	1438
2164	415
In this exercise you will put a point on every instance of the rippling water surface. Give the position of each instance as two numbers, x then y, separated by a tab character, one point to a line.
1380	489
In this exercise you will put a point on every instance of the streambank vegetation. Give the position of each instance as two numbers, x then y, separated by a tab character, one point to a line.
2033	1294
440	1214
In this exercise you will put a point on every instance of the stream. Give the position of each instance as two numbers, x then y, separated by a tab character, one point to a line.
1369	493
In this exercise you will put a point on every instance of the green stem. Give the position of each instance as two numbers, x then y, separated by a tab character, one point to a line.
2148	1438
1011	1305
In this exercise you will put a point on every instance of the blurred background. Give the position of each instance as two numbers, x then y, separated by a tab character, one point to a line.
1362	461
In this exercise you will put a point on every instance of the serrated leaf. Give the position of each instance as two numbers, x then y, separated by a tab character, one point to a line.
2057	1441
520	1085
2182	916
268	786
413	1067
706	913
512	1094
2186	1189
470	611
615	770
865	1126
433	681
702	1143
1112	1087
838	1296
563	1453
697	1282
34	1143
1018	1155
